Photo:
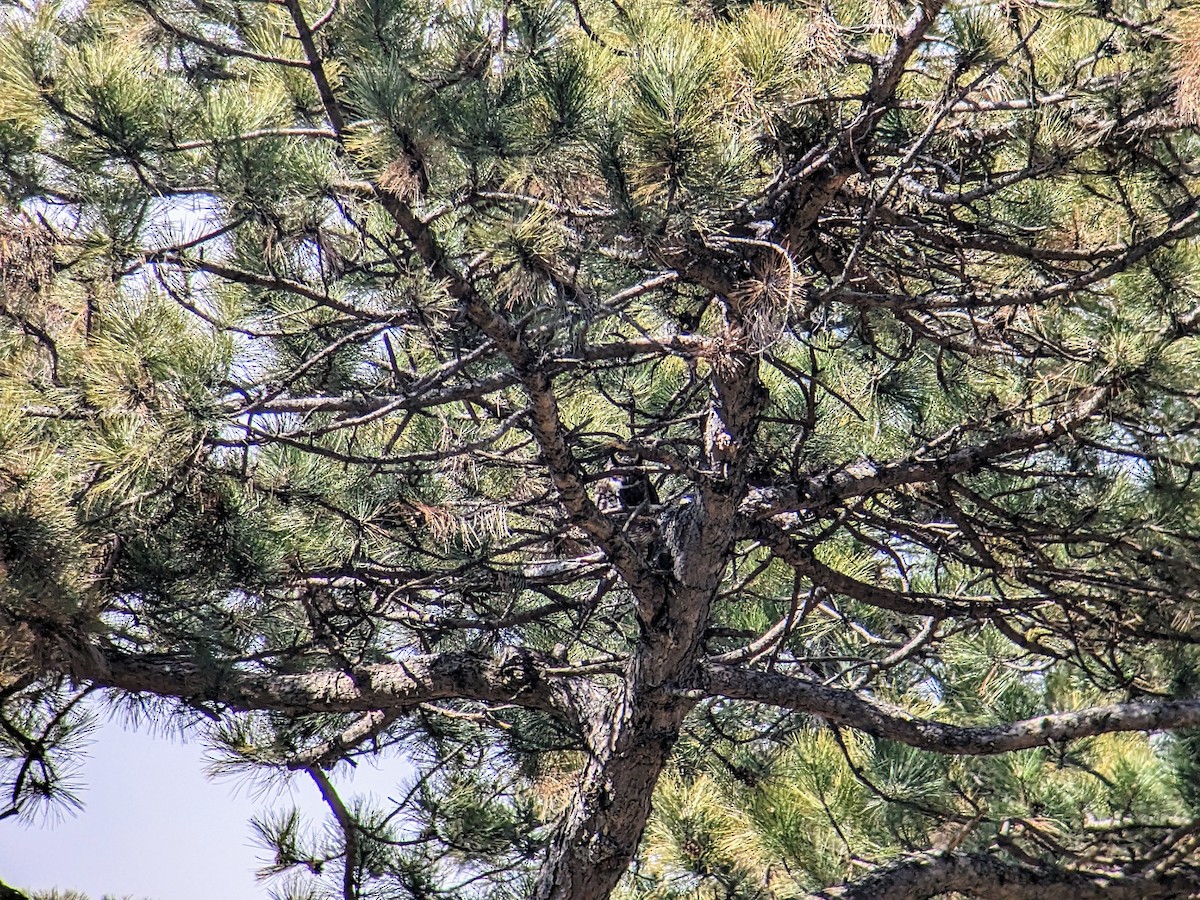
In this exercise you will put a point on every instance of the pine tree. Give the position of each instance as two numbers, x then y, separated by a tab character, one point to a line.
734	450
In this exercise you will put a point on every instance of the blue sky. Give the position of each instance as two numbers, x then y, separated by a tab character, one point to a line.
153	826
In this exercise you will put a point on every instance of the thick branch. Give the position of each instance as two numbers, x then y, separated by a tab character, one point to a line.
883	720
883	85
512	677
316	65
985	877
547	427
824	490
804	562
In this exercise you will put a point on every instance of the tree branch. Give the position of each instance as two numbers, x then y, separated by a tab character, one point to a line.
547	427
348	826
516	677
329	752
978	875
858	481
804	562
853	710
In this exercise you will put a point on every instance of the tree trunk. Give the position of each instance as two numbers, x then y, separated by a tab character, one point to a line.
599	835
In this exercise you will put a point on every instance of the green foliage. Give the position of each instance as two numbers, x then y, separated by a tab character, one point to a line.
326	334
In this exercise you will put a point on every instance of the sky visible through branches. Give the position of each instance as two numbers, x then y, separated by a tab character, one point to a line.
730	449
169	834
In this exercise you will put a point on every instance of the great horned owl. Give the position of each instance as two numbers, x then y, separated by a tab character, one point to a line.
629	489
628	497
625	493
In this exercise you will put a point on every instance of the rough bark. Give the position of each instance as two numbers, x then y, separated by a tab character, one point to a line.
516	677
849	708
630	727
988	878
599	834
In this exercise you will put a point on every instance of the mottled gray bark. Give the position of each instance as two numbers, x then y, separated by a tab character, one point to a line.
632	740
513	676
984	877
849	708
